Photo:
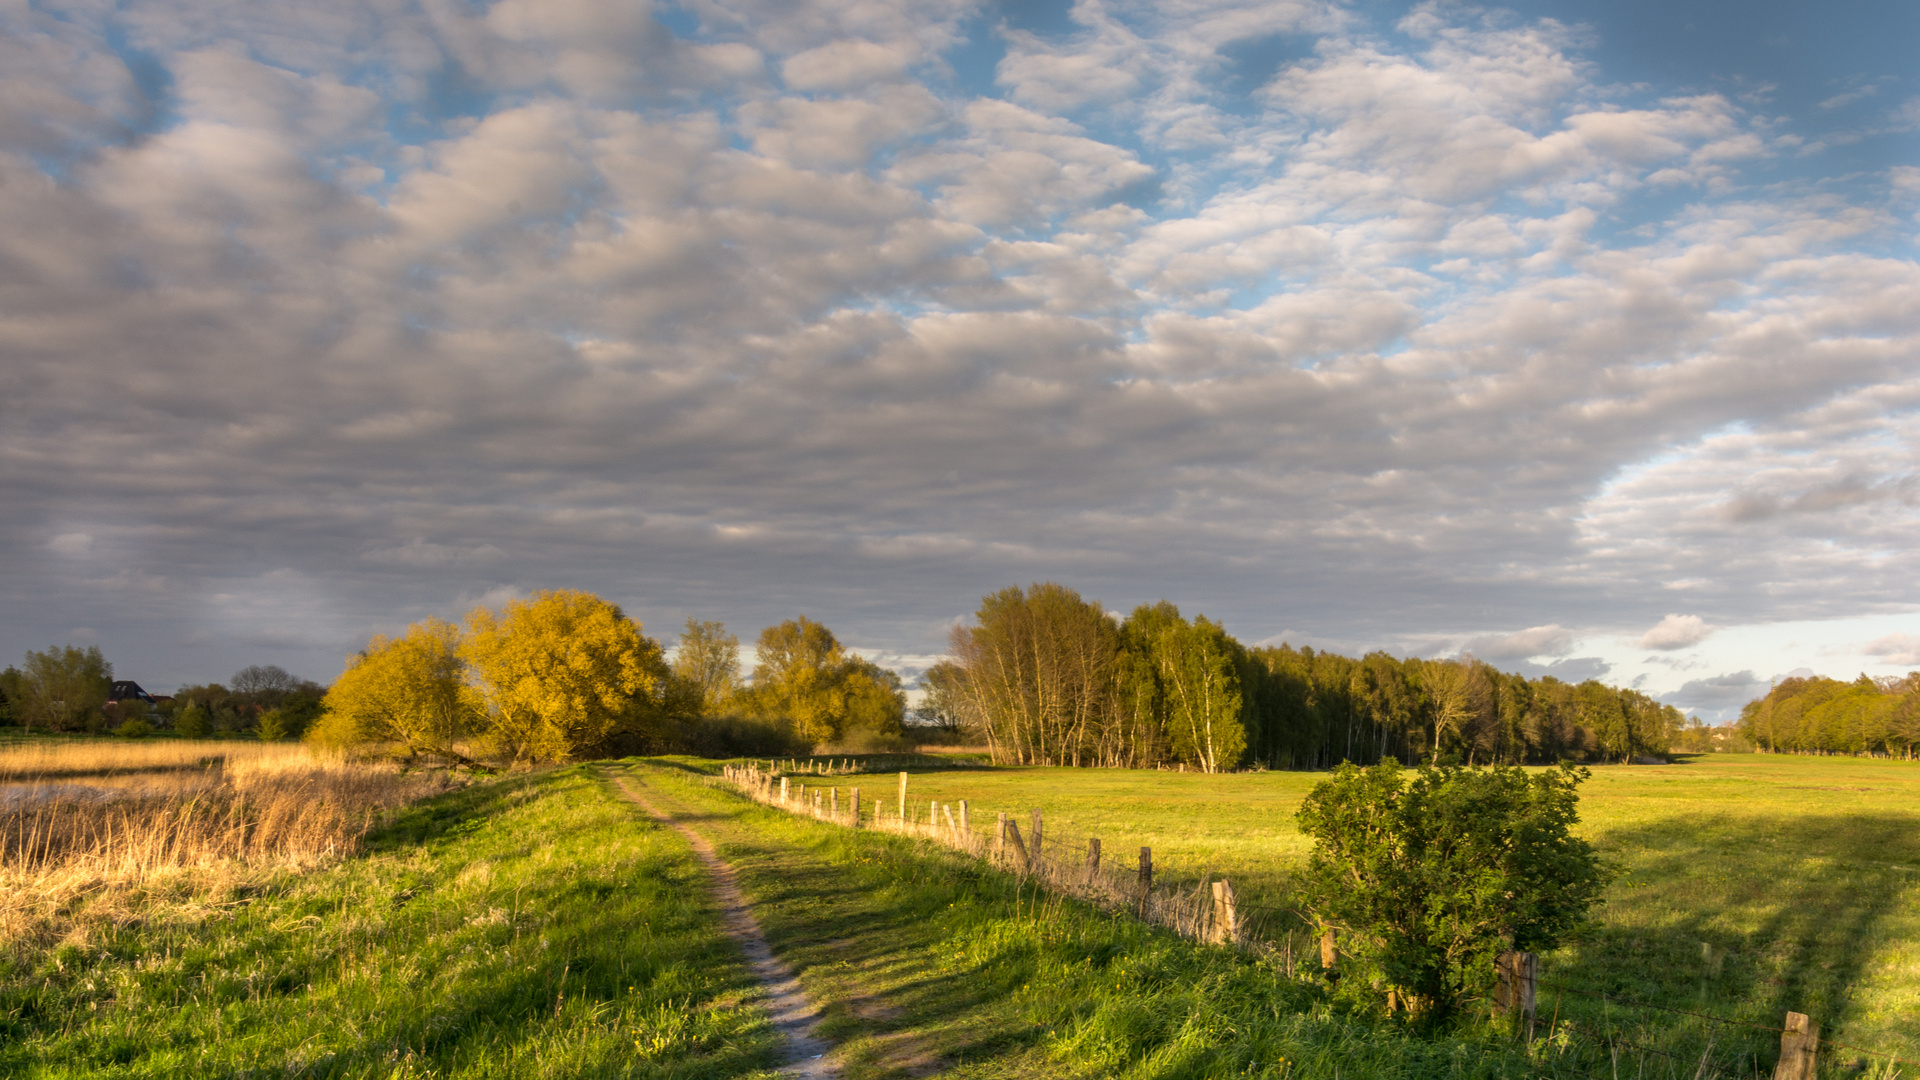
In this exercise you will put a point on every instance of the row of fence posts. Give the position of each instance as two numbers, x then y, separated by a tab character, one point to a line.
1516	992
1215	918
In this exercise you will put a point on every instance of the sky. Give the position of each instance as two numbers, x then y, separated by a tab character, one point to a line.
1581	337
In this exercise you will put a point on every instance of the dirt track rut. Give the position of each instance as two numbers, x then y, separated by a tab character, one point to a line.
793	1015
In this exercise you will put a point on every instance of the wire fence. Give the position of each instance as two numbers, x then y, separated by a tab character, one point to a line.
1200	906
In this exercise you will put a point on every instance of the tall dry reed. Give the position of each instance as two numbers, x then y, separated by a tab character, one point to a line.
73	854
53	760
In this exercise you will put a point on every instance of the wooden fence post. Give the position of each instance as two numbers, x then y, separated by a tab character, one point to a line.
853	808
833	808
1093	857
1019	849
1799	1046
903	798
1226	914
1330	956
1146	878
966	829
1519	983
1036	838
783	791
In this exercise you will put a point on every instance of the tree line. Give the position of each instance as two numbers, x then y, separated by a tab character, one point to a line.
65	689
1818	715
566	675
1045	677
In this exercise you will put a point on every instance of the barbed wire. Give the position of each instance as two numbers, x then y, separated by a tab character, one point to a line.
1185	886
1617	999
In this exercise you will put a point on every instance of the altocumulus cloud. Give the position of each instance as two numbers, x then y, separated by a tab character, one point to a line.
318	319
1676	632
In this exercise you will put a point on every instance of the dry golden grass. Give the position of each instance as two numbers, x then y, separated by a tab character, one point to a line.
155	820
50	760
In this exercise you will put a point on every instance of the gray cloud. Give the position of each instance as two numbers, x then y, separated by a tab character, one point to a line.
1550	640
1718	699
773	318
1573	669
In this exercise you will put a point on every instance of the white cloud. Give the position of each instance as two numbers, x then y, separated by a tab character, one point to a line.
778	314
1550	640
1899	649
71	544
843	65
1676	632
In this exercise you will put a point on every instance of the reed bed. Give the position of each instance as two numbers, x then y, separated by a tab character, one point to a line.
96	848
53	760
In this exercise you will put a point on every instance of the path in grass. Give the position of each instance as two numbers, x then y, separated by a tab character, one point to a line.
792	1014
1754	884
925	962
534	927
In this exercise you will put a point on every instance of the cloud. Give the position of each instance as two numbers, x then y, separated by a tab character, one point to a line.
1551	640
71	544
1573	669
1677	632
1899	649
1718	696
788	308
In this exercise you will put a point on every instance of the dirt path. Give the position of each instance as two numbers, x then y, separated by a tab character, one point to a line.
793	1016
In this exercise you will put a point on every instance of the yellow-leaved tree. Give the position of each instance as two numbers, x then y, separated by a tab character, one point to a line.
805	677
410	690
563	674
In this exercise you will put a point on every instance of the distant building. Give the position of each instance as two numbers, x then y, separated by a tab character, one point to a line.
121	691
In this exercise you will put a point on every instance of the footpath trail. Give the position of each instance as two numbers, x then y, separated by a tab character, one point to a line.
793	1015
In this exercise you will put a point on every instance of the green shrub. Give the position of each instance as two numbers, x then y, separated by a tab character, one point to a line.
134	729
1429	880
274	726
192	722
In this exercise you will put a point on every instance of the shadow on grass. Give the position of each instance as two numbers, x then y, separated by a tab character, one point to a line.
1746	920
856	915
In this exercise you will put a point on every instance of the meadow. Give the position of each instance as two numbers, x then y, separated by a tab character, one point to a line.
1751	884
530	926
536	925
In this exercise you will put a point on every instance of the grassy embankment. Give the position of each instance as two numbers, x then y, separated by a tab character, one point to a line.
928	962
1801	873
536	926
533	927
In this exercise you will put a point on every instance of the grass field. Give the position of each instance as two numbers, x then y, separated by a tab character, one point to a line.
927	962
537	926
530	927
1802	875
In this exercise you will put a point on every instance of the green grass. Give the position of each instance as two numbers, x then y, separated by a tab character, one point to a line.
537	926
927	963
1803	873
529	927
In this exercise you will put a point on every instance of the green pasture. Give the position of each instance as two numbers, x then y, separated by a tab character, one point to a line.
527	927
1751	884
925	962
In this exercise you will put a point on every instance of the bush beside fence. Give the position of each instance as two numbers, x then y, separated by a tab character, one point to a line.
1208	910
